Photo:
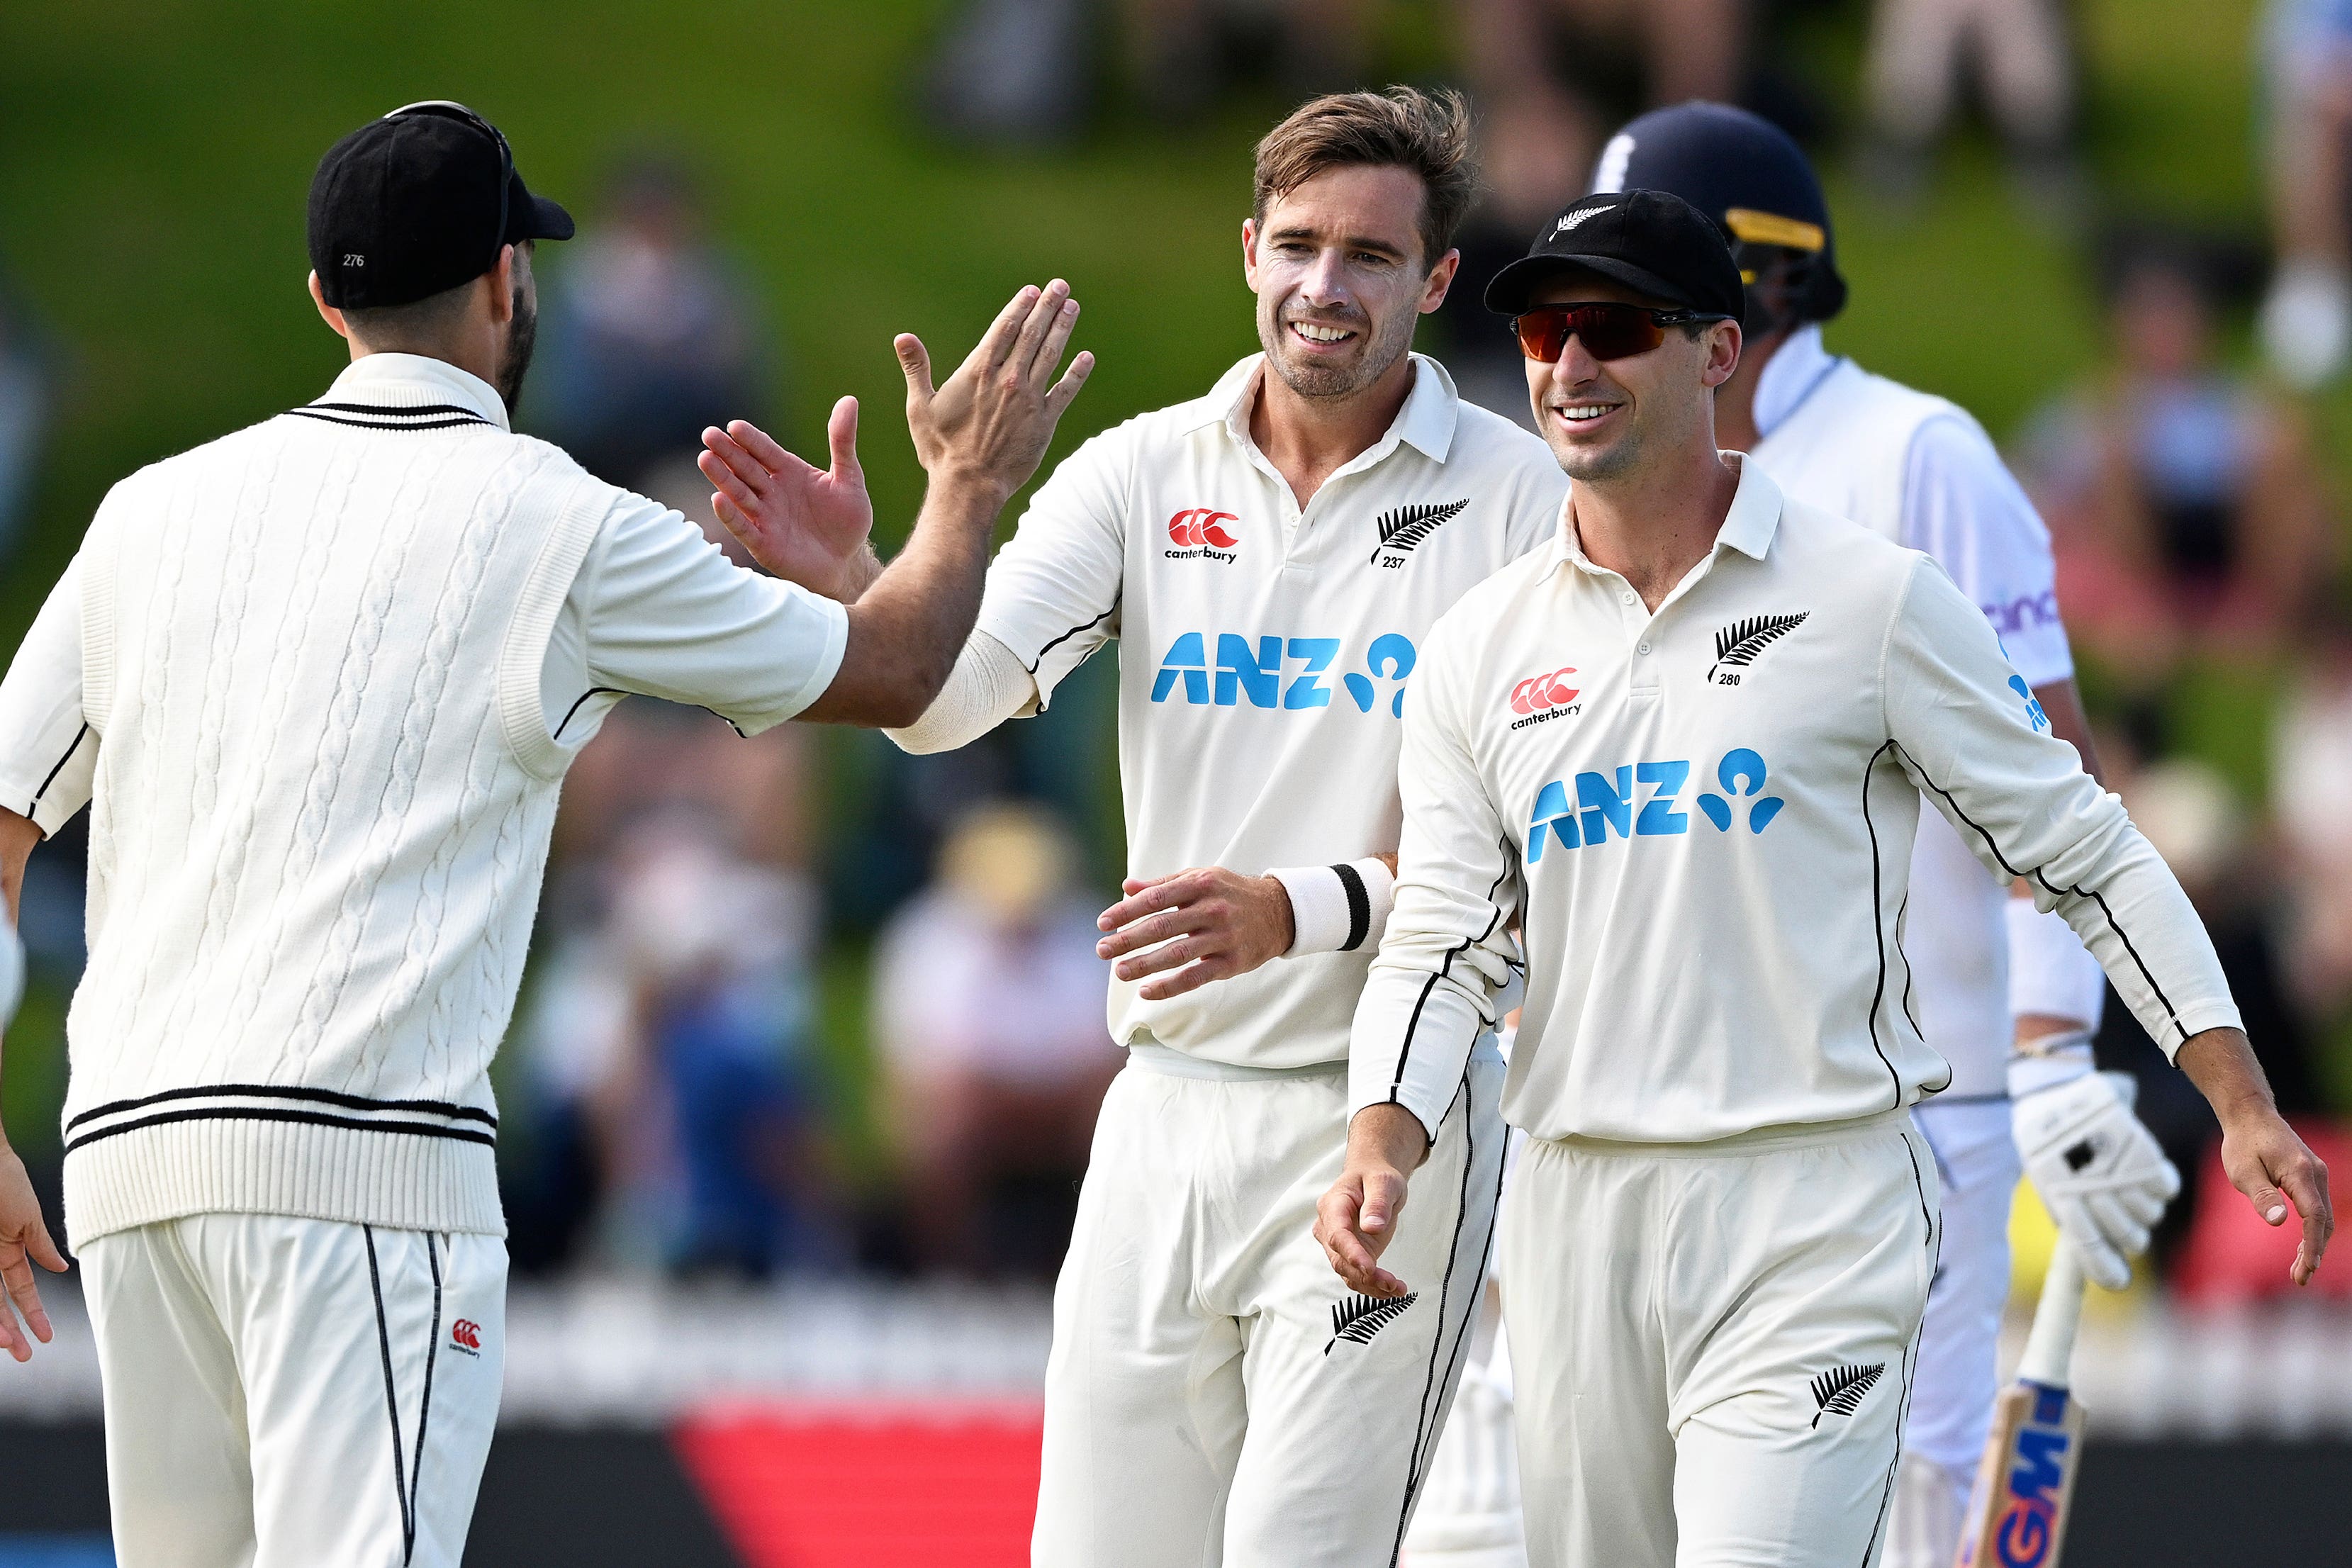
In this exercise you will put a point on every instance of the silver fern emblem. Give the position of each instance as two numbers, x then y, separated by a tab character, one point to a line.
1740	643
1359	1318
1838	1391
1408	525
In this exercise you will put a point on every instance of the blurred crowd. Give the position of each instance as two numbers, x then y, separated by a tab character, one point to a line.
805	1004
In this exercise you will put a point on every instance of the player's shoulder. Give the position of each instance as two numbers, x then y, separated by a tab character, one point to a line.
1821	545
1926	420
1492	606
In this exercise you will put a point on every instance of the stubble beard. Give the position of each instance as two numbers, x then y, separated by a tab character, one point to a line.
1335	380
523	336
1588	465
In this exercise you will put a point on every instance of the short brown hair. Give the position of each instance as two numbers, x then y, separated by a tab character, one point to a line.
1428	133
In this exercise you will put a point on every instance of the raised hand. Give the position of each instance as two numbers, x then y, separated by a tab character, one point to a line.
991	421
807	525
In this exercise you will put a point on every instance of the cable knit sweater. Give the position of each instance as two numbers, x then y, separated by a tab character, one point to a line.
322	794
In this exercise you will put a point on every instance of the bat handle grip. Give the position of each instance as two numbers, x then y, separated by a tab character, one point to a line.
2050	1347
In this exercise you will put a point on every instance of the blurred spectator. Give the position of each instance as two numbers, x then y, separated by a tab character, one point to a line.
2306	68
24	412
649	333
2311	801
1919	53
988	1007
1551	78
2188	814
1021	72
2186	507
667	1061
1013	72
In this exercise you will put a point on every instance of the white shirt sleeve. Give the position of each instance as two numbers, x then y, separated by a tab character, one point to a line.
1969	733
1962	506
1053	592
48	753
1448	949
657	611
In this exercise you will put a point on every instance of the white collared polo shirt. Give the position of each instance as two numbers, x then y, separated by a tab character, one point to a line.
1704	817
1919	470
1266	650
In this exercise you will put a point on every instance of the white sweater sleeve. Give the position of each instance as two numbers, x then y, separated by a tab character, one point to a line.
1969	733
48	753
1448	947
987	686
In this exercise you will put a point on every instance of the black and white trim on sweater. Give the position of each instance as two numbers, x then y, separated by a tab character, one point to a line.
384	416
283	1102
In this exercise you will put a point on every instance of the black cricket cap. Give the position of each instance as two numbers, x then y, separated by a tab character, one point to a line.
1651	241
419	202
1742	171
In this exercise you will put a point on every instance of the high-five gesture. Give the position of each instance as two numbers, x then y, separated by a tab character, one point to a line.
980	434
985	430
994	416
807	525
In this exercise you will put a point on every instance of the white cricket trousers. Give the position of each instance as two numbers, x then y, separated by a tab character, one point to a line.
1215	1396
287	1392
1959	1347
1712	1346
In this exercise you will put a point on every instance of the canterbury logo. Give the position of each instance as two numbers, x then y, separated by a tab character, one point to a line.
1739	644
1572	219
1537	692
466	1334
1359	1318
1408	525
1838	1391
1200	526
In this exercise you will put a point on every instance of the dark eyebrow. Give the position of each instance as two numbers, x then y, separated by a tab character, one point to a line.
1355	242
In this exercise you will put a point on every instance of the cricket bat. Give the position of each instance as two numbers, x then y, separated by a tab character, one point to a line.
2025	1483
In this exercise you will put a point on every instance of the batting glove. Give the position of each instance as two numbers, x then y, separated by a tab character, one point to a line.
2099	1171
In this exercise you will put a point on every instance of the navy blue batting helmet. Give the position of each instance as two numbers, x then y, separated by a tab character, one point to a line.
1746	174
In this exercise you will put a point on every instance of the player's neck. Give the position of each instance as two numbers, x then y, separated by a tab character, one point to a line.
1735	400
1307	439
1653	525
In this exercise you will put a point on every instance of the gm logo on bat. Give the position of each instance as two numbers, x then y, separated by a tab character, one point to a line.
2025	1537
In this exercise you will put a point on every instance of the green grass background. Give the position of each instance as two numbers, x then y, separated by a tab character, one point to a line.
154	158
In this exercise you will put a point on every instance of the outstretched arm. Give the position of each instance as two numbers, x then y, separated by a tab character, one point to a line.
979	436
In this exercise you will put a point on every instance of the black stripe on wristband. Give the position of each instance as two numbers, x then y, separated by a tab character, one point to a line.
1359	907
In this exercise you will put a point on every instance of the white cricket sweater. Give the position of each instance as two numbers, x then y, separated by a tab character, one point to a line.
323	773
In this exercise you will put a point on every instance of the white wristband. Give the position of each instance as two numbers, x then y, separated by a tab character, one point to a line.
1337	908
2051	974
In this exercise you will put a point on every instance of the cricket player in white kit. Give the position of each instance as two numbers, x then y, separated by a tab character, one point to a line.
1722	1227
1270	558
318	682
1917	469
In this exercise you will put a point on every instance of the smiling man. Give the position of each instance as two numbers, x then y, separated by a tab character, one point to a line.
1723	1223
1270	557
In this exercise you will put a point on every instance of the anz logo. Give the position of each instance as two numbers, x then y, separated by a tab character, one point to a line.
1290	673
1604	803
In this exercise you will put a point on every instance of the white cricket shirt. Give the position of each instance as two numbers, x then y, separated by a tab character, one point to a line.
1920	471
1266	652
1704	817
